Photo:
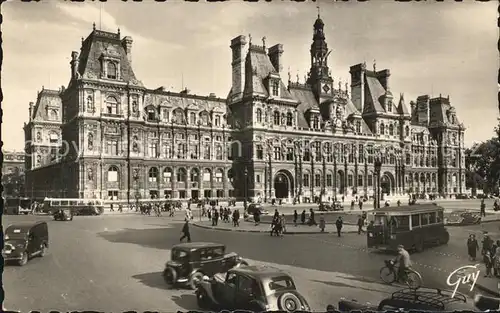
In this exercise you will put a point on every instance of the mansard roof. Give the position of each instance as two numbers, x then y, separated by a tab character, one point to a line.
100	43
375	94
307	101
47	98
258	67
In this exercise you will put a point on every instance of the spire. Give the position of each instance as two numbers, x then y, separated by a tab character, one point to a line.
317	7
93	26
374	65
250	39
297	76
118	31
289	75
264	42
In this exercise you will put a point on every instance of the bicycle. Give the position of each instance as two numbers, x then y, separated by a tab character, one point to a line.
389	274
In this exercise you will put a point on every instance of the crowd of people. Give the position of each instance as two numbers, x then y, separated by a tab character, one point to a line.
490	251
223	214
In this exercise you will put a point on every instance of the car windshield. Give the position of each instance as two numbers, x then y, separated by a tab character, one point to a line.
15	233
179	255
280	283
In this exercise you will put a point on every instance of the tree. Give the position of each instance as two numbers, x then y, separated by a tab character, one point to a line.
13	184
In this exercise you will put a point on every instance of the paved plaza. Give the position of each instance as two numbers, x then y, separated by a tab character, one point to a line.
114	263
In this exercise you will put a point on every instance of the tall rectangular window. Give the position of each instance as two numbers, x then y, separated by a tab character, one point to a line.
260	152
317	180
276	87
305	180
329	180
289	154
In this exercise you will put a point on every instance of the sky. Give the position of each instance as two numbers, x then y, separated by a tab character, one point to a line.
430	48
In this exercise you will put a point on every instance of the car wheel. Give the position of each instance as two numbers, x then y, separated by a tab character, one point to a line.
195	279
24	259
43	250
289	302
170	276
202	299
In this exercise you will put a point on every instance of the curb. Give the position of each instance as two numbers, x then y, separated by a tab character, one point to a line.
267	231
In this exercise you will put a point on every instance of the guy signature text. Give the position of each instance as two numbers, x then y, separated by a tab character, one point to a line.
464	275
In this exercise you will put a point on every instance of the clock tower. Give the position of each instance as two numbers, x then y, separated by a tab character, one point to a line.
319	76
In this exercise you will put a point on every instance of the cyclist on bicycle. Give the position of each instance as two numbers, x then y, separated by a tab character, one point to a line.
403	259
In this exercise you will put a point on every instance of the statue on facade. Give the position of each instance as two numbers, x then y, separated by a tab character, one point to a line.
90	174
38	136
91	141
135	174
90	104
38	159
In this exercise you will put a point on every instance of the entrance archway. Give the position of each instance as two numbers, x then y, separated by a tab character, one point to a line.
341	181
387	183
283	184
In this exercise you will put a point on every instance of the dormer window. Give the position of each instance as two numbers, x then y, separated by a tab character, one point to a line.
275	85
53	115
358	127
111	70
111	105
315	122
151	114
389	106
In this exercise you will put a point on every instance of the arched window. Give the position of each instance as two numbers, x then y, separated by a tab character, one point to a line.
179	116
112	71
230	175
207	175
192	118
111	105
259	115
167	175
151	113
53	115
276	118
181	175
219	174
408	159
205	118
194	175
391	130
382	129
153	175
113	174
289	119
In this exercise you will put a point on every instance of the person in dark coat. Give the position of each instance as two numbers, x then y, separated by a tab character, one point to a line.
303	217
488	263
339	223
236	218
312	220
256	217
472	247
295	217
487	243
483	208
185	231
361	222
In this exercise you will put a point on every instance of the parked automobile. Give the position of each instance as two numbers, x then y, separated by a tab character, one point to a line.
463	217
25	240
253	288
63	215
422	299
189	262
253	207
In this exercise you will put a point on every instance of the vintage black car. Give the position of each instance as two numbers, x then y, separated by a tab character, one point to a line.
421	299
463	217
189	262
25	240
63	215
253	207
253	288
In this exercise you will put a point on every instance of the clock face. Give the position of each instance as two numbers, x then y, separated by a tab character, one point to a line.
326	88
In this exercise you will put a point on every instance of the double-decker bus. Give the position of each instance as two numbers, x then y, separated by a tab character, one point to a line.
77	206
414	227
17	205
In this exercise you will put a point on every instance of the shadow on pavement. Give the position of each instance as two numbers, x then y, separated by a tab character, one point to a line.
339	284
154	280
186	301
158	238
362	279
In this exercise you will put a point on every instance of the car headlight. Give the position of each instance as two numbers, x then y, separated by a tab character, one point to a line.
393	236
6	237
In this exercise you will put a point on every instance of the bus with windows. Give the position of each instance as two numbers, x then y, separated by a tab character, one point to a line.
77	206
17	205
415	227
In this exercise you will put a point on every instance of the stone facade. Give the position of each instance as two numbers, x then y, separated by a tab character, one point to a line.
13	174
120	140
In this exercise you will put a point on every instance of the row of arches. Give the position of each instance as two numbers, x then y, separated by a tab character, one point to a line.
169	174
393	129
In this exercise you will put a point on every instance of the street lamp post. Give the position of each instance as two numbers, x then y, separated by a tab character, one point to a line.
245	190
378	165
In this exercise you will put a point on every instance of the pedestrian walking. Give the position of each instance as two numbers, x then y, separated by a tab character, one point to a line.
236	218
256	217
120	208
487	263
111	207
472	247
483	208
360	204
487	243
352	205
303	217
185	232
496	260
295	217
322	223
283	224
361	222
339	223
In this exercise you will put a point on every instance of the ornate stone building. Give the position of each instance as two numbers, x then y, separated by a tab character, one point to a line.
13	174
270	137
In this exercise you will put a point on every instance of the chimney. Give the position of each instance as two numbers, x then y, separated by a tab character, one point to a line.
383	78
274	54
127	45
31	111
74	65
212	95
358	85
238	64
412	107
